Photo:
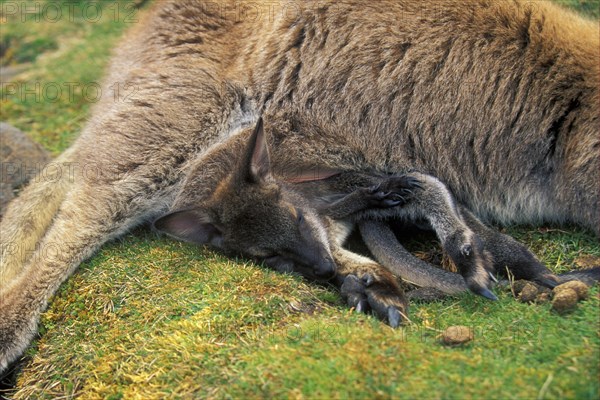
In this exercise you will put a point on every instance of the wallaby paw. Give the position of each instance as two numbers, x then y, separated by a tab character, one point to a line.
393	191
386	300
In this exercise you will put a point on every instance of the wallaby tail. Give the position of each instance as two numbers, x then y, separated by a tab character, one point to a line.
386	249
589	276
28	217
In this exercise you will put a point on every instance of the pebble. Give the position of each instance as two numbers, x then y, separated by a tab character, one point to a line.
457	335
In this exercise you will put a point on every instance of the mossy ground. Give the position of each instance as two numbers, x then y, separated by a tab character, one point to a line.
151	318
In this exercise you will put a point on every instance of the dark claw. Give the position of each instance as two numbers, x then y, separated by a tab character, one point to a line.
362	306
398	198
388	203
368	280
547	281
487	293
355	300
414	182
376	192
394	317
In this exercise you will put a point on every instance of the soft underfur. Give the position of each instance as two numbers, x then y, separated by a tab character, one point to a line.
497	99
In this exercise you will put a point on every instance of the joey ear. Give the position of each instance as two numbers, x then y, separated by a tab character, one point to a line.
190	226
257	161
311	174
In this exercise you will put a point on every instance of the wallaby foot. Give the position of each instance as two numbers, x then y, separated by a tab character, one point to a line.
384	245
380	297
367	286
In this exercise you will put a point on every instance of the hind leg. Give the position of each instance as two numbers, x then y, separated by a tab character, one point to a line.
383	244
132	159
89	216
366	285
418	197
29	215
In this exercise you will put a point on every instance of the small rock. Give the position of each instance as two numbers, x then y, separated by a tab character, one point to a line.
579	287
457	335
564	300
528	293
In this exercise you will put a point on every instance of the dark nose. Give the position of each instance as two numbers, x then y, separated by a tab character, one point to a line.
325	268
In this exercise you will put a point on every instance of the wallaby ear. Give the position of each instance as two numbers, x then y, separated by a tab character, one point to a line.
311	174
257	161
190	226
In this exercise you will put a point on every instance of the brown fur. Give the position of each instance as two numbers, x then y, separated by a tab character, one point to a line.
497	99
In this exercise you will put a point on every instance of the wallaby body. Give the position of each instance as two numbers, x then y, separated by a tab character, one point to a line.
496	99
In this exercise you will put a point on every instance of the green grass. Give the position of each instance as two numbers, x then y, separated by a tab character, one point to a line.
590	8
152	318
50	101
148	317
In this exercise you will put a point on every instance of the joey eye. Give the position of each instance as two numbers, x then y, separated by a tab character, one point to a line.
299	216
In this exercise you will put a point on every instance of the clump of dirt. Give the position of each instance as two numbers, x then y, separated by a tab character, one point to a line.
579	287
530	292
564	301
564	297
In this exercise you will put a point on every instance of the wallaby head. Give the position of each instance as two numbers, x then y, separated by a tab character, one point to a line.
256	215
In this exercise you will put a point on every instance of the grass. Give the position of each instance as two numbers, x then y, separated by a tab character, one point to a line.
151	318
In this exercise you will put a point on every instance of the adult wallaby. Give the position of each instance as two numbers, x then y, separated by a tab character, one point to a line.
496	99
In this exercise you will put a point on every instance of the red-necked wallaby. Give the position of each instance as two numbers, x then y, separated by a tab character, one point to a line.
497	100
